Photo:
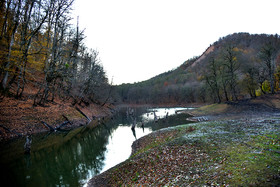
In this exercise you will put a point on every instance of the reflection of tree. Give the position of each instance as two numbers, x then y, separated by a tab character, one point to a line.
133	132
71	162
72	158
68	163
173	120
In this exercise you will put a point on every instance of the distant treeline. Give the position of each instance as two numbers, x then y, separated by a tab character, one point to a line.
237	66
41	51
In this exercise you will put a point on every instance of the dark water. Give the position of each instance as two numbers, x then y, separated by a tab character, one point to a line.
72	158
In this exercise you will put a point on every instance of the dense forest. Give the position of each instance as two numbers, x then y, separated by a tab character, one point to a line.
43	56
237	66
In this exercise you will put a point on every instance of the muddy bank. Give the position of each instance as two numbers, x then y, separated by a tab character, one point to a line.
21	118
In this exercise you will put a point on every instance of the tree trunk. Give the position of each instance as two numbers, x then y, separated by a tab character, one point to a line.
271	76
11	43
83	114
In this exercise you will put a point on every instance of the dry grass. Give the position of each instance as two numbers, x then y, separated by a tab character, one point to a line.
210	109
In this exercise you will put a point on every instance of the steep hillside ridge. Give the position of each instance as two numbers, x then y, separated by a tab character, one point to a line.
203	56
234	67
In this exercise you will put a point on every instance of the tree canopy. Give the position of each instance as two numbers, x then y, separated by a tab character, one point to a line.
237	66
40	49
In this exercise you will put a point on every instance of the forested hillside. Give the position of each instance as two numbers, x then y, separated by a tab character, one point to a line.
237	66
43	57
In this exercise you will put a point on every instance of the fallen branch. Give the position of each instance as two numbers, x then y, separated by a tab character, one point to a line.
27	145
61	125
46	135
9	130
67	119
47	125
83	114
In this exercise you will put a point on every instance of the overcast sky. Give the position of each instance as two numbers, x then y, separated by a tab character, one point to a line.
139	39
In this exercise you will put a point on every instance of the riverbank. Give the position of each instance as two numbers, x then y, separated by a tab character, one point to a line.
238	146
21	118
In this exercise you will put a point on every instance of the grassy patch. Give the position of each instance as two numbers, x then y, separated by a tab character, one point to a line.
210	109
233	153
253	163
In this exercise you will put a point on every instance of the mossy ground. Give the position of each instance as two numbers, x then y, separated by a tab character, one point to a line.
233	152
240	146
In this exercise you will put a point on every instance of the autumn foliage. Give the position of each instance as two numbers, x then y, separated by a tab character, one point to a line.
237	66
41	50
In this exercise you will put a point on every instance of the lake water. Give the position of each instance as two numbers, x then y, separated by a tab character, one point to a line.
72	158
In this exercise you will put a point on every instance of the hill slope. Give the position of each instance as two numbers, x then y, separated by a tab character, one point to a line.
234	67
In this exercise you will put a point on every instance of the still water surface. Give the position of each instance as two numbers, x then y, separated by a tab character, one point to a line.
72	158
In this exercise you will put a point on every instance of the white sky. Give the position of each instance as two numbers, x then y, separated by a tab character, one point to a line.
139	39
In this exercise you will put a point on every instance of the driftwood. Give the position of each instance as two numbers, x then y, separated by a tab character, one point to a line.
46	135
155	117
133	124
67	119
197	119
57	127
61	125
27	145
47	125
83	114
9	130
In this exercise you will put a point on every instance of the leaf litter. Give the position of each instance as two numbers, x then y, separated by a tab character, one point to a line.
216	153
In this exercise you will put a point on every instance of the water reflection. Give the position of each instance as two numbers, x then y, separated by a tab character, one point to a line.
67	162
72	158
133	132
119	146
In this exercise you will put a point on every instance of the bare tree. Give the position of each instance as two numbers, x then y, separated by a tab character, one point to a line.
212	80
58	23
231	66
29	16
13	24
268	56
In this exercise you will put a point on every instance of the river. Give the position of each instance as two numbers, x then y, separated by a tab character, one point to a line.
73	157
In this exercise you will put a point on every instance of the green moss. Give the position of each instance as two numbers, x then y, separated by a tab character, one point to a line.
251	163
234	157
237	154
